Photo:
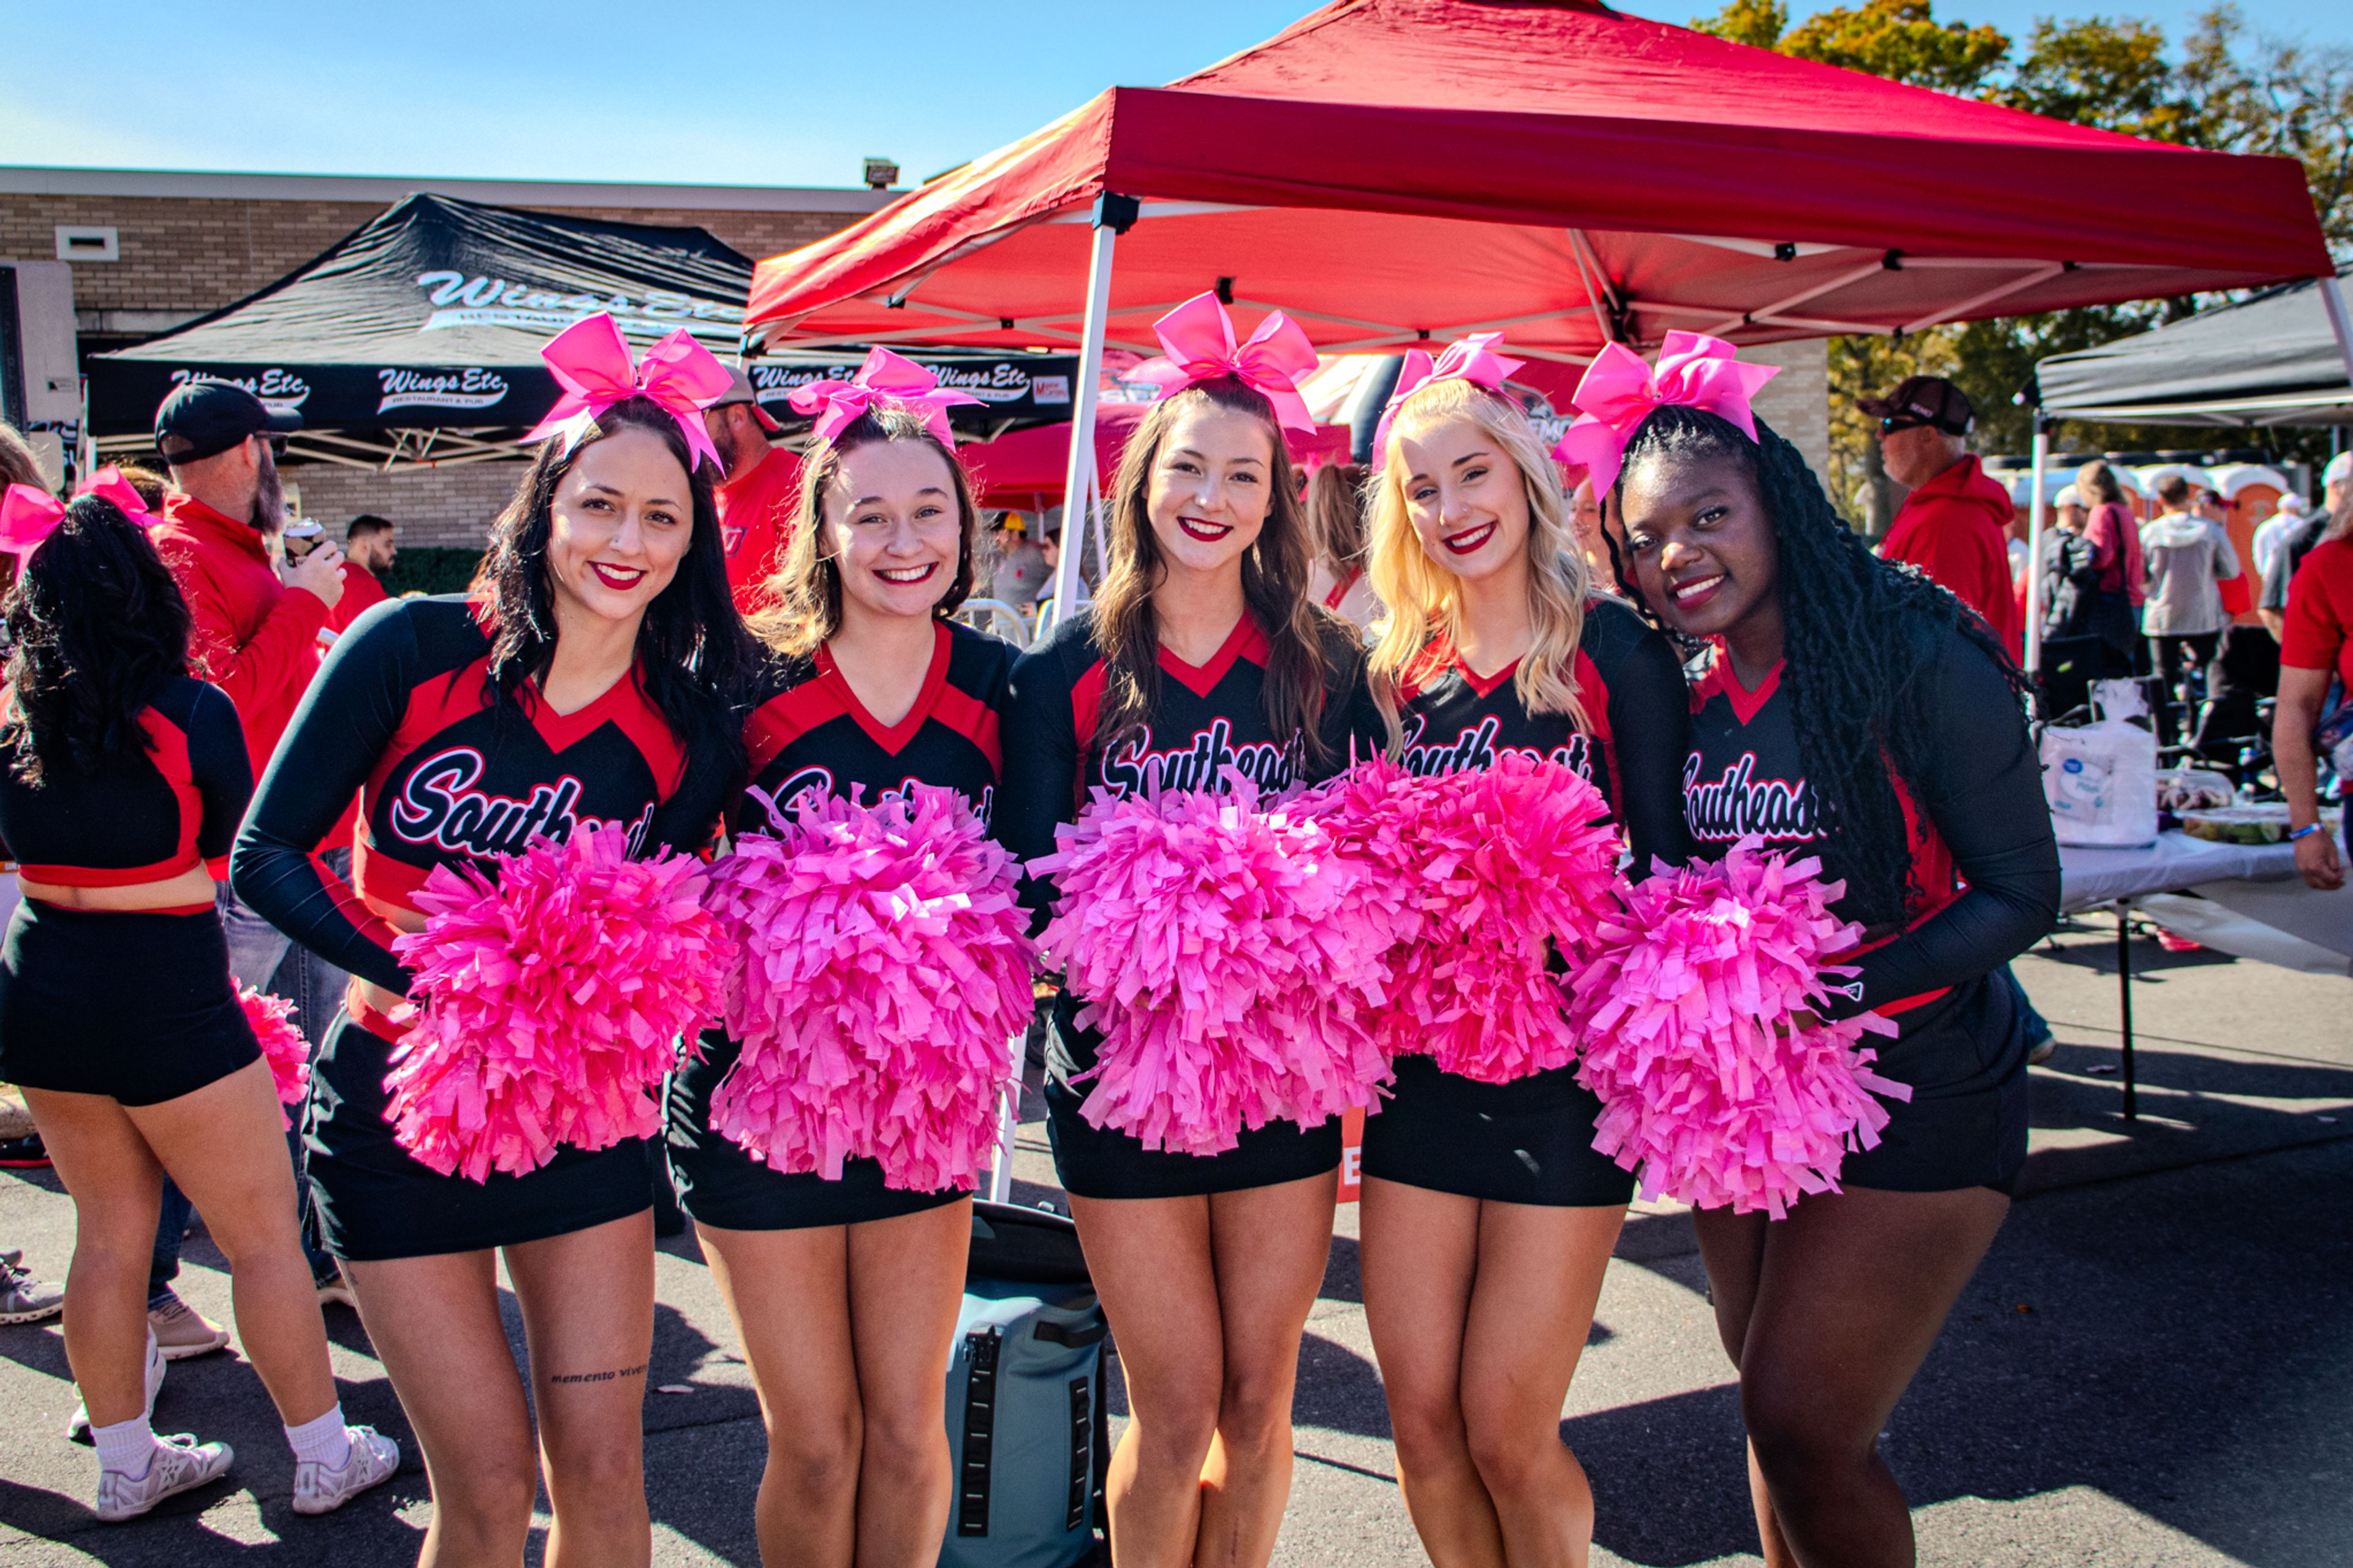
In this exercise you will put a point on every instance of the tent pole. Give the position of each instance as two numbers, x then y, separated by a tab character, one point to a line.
2332	296
2034	546
1114	215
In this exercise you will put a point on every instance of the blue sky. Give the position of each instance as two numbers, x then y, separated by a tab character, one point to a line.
781	94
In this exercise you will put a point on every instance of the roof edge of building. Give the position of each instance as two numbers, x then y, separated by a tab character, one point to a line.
27	180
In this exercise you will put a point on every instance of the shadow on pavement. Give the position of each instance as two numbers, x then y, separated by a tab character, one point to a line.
2158	1344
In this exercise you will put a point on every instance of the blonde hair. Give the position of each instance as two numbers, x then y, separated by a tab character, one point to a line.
801	605
1424	598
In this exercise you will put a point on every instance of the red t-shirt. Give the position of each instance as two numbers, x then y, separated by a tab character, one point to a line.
362	591
1955	529
2319	630
253	637
755	522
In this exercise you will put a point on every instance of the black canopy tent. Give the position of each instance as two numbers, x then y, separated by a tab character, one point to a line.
415	339
2271	360
2283	357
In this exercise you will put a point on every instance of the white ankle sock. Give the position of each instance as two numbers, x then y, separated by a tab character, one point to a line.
326	1440
127	1448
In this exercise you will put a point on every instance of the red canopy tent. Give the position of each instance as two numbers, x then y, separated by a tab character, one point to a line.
1387	172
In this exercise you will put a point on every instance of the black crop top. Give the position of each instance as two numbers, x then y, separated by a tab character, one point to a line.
399	713
810	731
1983	858
1209	718
1637	713
147	818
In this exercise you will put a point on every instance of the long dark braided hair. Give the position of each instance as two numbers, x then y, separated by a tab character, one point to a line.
98	629
1863	636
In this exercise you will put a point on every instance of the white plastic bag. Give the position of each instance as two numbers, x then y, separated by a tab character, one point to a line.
2101	778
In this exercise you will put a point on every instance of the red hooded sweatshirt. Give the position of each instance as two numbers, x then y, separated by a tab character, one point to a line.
1955	528
253	637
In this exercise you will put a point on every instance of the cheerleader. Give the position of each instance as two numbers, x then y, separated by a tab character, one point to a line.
1336	518
1488	1218
845	1292
122	780
1202	653
583	682
1854	711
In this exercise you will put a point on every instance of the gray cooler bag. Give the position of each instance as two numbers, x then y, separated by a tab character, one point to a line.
1025	1397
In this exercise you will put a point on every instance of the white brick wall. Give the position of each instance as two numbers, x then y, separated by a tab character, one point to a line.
1797	402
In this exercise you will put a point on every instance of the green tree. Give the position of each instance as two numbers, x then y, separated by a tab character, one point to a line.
2112	75
1899	40
1756	23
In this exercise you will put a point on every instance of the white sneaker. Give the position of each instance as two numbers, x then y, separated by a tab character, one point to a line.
77	1424
181	1464
318	1489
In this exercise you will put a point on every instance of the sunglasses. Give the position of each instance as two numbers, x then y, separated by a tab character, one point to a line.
1895	422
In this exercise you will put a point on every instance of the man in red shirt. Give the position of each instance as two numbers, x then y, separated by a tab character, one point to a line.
2315	650
254	634
1955	525
369	545
760	495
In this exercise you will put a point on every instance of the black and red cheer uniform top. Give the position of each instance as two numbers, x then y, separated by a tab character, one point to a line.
144	815
1984	867
1207	718
810	731
402	711
1637	711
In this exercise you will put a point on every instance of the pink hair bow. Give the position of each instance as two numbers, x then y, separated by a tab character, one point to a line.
885	381
590	361
29	515
1619	392
108	484
1473	360
1199	338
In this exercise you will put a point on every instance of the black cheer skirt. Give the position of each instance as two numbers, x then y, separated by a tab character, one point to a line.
137	1006
1526	1141
375	1202
1963	1053
1102	1163
719	1185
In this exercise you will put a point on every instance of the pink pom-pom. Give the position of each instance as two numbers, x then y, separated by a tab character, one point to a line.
1485	875
886	969
1711	1089
283	1045
1216	943
554	999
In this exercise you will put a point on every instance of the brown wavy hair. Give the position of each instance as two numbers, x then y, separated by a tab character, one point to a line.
1300	633
804	593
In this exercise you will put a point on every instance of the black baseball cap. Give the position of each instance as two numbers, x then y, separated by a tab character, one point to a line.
204	417
1922	400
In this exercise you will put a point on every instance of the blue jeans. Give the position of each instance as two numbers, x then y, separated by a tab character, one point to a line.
262	956
2038	1028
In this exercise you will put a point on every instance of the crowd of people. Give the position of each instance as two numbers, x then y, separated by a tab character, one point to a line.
2124	597
679	622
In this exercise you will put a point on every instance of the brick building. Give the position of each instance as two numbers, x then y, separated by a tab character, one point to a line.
153	250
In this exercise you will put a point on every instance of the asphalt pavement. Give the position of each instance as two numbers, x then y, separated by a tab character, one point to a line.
2154	1367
